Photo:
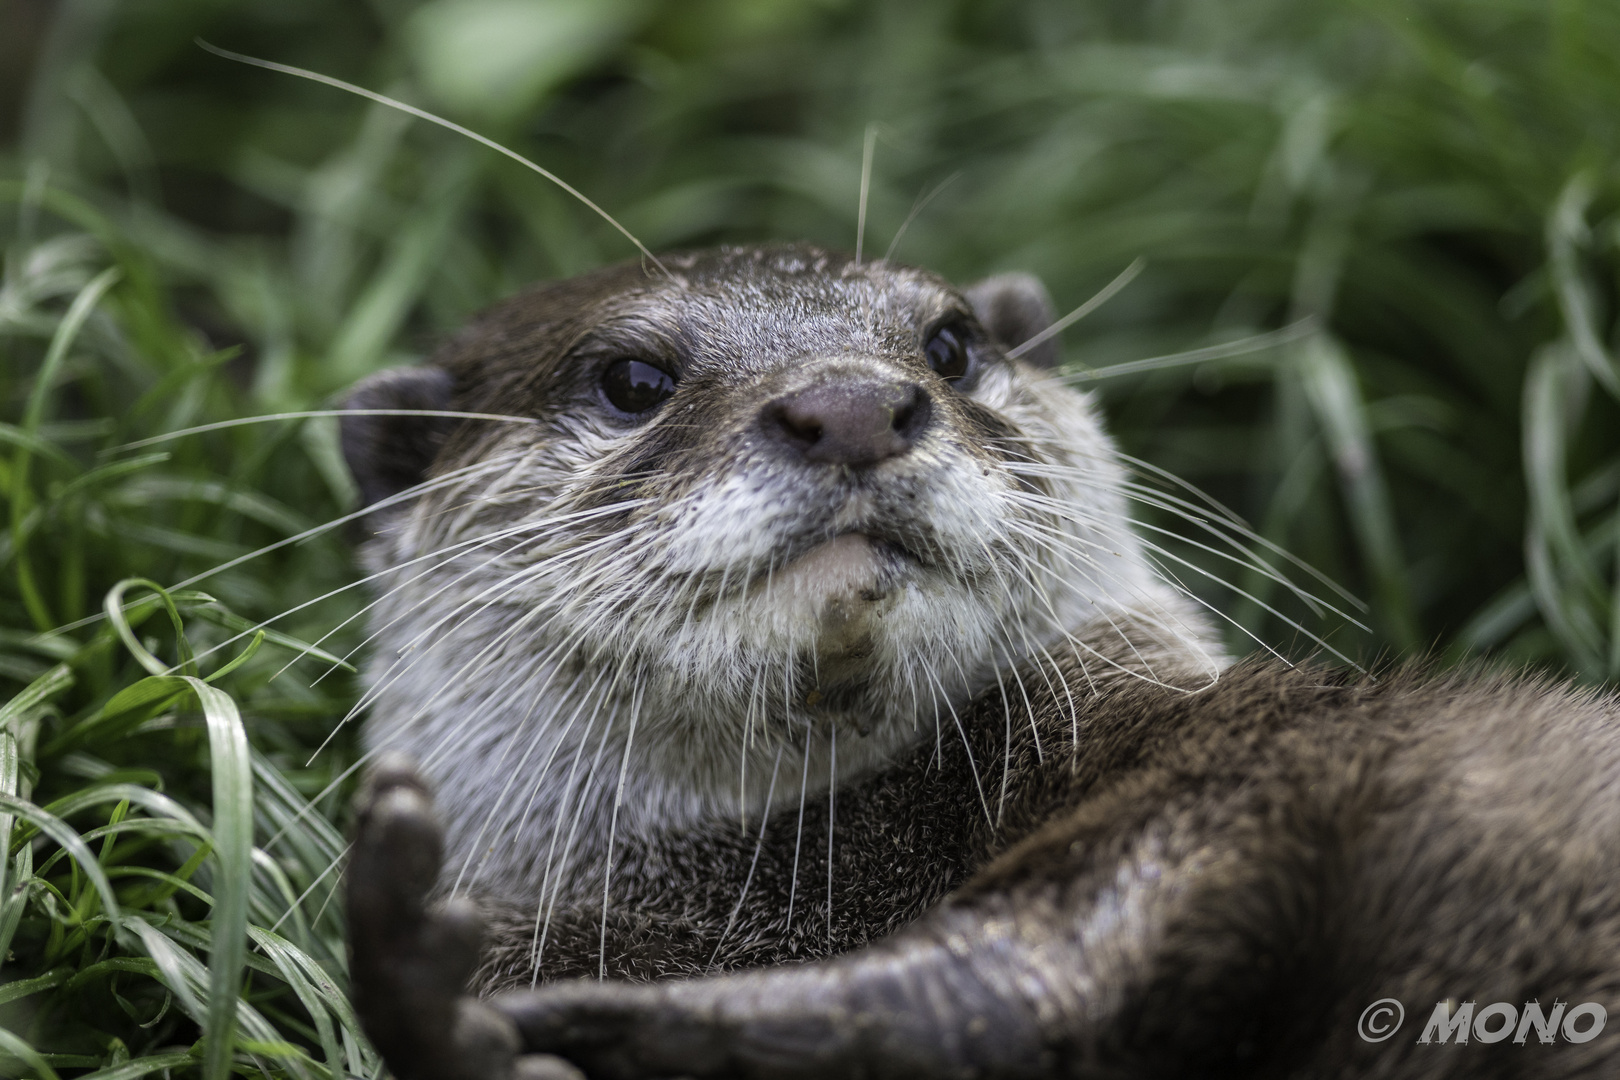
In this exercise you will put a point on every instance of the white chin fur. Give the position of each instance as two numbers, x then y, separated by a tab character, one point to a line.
836	591
843	567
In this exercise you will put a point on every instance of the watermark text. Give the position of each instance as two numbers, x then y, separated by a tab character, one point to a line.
1459	1023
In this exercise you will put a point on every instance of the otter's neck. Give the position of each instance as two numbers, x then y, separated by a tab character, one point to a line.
552	773
827	872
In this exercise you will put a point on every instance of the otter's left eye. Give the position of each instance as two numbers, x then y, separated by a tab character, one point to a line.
947	353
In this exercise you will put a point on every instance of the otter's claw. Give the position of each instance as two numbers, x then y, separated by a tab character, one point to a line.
409	963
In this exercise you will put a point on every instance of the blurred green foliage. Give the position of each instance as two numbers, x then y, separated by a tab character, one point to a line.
1428	193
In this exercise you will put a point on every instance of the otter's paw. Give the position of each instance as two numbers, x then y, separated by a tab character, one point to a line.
409	963
628	1031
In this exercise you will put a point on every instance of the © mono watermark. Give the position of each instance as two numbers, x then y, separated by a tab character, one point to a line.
1381	1019
1455	1023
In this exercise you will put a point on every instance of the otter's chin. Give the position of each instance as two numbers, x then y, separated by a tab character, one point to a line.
837	591
845	566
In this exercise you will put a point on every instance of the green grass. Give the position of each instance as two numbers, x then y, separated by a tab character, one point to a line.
1427	193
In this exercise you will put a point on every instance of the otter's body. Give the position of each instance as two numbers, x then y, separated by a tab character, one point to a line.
792	624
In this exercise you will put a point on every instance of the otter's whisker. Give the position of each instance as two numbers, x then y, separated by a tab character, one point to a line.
967	746
566	798
568	843
537	533
1105	294
489	596
869	143
832	795
798	836
917	208
1235	522
540	731
613	821
753	864
286	541
312	414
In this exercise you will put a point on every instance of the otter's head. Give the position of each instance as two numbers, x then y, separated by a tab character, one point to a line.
773	500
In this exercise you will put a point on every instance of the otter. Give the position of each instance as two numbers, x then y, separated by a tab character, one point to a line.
774	673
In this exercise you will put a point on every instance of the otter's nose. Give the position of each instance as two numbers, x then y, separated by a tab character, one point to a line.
849	422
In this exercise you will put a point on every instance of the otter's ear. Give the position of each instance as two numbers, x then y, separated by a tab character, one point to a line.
1014	308
388	454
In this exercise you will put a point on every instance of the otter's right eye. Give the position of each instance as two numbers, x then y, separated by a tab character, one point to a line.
947	353
635	386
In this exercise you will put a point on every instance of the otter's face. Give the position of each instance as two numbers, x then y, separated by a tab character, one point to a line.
772	501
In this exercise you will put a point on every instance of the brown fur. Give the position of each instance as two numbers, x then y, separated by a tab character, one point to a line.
1317	841
1084	872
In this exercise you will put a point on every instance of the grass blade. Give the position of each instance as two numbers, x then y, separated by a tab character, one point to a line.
67	331
1330	386
143	1066
232	769
17	1048
68	838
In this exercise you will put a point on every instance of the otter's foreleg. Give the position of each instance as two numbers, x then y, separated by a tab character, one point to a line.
1139	968
909	1007
1124	956
409	963
969	991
